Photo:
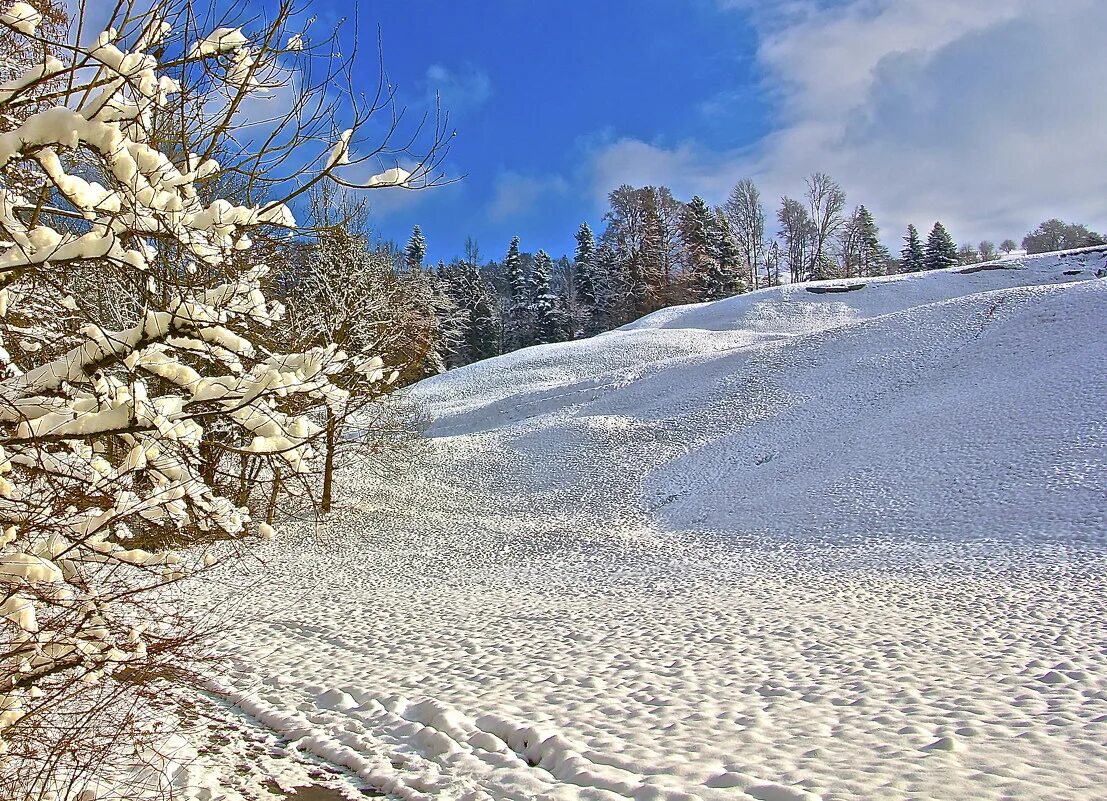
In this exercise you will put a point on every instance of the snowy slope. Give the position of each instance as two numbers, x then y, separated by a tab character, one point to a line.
789	545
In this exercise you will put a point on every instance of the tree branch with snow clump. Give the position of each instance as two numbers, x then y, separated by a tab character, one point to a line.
137	174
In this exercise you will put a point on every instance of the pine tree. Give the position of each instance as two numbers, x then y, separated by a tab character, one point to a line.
582	264
475	297
725	278
941	252
545	310
416	250
517	322
609	285
873	255
912	254
696	226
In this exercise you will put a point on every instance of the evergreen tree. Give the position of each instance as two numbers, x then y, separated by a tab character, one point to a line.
582	263
416	250
474	299
823	266
773	258
480	340
517	313
546	316
696	229
724	279
610	284
873	255
914	259
941	252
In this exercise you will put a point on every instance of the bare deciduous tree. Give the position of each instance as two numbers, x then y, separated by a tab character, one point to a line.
747	216
825	201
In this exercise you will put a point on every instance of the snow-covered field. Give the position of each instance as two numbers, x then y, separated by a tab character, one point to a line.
789	545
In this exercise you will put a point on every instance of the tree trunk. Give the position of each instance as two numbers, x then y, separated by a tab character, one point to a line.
243	480
328	463
271	513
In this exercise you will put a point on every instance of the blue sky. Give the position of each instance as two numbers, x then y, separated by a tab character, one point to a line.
976	113
533	89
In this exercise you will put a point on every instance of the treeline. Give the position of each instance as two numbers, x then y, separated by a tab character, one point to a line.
655	251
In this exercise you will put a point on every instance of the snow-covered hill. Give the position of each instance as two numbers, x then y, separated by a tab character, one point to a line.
830	541
947	404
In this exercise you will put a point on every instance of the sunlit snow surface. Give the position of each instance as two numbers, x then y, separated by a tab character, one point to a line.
783	546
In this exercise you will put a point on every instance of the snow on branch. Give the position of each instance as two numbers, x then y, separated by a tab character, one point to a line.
137	345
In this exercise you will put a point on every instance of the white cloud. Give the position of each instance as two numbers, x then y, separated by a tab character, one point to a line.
983	113
516	194
459	89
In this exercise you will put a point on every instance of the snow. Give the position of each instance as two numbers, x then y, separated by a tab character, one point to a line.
23	17
782	546
221	40
394	176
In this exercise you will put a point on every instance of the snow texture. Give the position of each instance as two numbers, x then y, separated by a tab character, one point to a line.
782	546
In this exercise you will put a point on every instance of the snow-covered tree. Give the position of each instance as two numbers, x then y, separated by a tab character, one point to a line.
107	404
728	278
610	287
583	265
546	315
478	315
912	255
349	295
697	230
517	317
416	250
773	258
941	252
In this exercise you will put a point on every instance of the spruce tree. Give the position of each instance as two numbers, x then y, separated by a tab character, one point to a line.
941	252
609	284
516	326
912	254
479	340
873	255
724	277
545	309
582	264
696	232
416	250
